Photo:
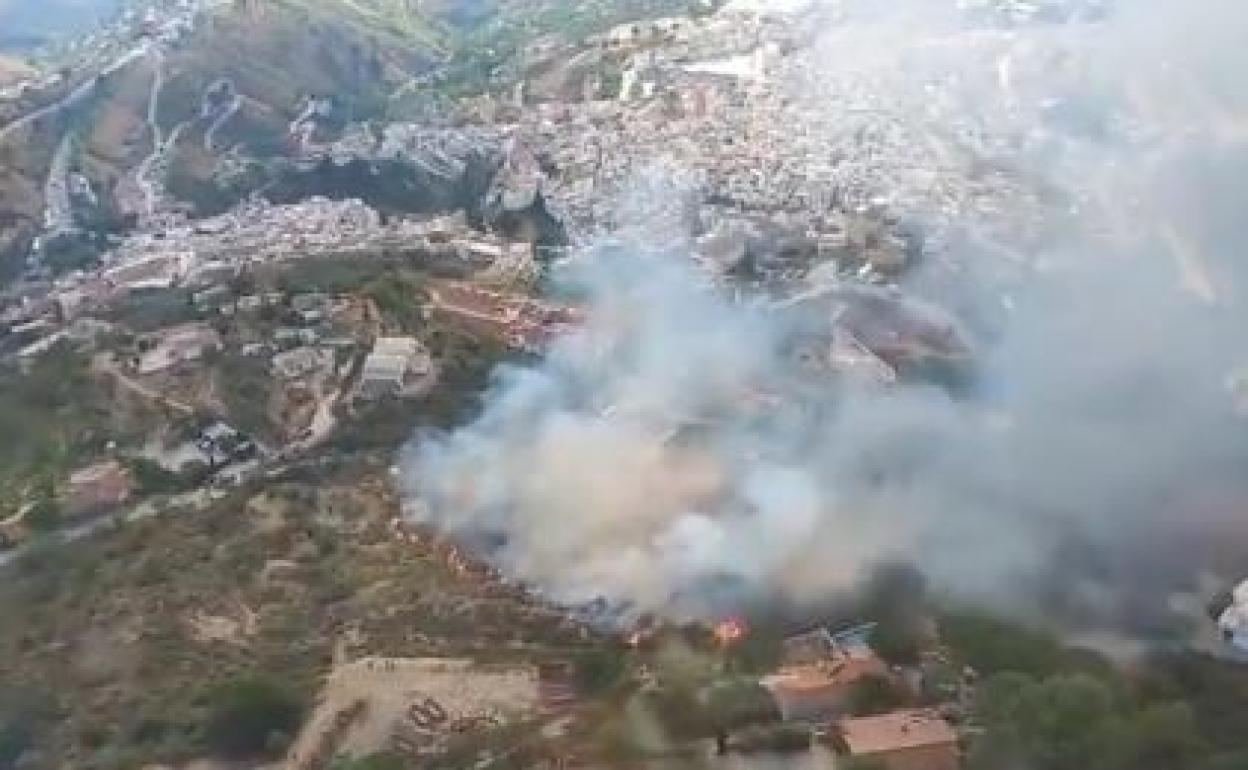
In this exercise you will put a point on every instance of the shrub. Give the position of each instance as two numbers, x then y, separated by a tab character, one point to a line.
152	479
598	671
782	738
992	645
875	695
247	713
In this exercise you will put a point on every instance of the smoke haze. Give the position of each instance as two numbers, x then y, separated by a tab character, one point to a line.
674	456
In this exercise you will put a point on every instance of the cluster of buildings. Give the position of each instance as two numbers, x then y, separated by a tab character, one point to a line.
203	261
816	683
852	152
735	136
817	691
260	230
439	150
203	256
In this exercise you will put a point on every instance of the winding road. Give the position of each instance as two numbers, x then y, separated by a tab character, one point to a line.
150	173
233	107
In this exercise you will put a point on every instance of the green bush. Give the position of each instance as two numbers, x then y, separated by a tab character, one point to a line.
400	297
15	738
735	705
22	712
1075	721
152	479
758	653
991	645
44	516
774	738
874	695
250	717
598	671
246	388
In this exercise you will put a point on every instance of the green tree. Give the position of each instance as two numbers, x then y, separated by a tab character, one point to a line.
45	514
251	716
875	695
194	473
1074	721
22	712
758	653
599	670
1163	735
1054	724
680	711
152	479
992	645
16	736
400	296
733	705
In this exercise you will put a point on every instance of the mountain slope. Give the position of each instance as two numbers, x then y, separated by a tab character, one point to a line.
271	54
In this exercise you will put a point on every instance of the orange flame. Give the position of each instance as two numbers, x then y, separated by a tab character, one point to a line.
730	631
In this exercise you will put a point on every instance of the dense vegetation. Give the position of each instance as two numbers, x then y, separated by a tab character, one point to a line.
251	716
61	415
1049	707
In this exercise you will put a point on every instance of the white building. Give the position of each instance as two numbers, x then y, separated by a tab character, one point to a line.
1234	620
397	366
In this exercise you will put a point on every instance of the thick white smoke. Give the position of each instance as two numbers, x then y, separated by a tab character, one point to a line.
675	455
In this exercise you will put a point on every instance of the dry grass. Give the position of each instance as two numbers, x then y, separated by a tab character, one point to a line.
127	631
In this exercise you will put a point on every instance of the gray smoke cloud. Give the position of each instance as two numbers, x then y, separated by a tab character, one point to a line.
674	456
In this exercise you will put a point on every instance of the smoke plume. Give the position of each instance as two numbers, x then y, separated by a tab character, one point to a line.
676	455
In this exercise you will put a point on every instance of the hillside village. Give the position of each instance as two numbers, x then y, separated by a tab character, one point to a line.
201	534
178	299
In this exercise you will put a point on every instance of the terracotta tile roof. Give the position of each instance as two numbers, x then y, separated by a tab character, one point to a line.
895	731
